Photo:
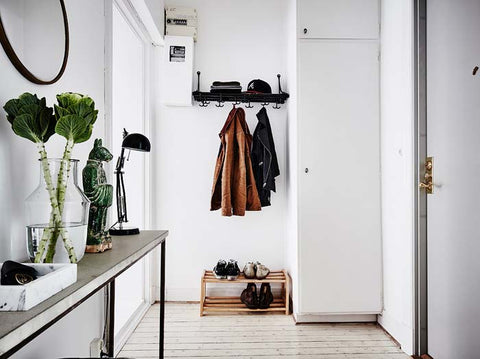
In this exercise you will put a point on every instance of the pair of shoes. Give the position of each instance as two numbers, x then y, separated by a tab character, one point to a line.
250	298
255	270
224	270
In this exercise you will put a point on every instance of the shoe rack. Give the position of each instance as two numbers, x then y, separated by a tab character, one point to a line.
233	305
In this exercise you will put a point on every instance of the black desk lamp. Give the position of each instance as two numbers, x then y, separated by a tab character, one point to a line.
135	142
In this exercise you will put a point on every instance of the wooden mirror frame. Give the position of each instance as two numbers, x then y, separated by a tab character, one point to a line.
7	46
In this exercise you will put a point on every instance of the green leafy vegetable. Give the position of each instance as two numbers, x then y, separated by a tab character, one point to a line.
73	118
31	118
72	127
26	127
75	115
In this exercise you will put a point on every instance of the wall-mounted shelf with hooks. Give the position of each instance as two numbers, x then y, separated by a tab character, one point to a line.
241	97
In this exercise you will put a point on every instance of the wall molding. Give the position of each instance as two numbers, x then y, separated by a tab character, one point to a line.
124	333
334	318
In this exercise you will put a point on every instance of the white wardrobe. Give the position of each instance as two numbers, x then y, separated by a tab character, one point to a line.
338	168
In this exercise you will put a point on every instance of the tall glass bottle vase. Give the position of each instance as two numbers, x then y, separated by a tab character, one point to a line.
50	239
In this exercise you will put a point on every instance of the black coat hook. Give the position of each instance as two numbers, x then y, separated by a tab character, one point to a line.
220	102
279	84
249	105
198	81
276	107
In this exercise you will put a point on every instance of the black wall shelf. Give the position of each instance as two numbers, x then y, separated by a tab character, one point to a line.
204	98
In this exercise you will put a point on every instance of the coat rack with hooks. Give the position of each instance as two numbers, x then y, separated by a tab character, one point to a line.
204	98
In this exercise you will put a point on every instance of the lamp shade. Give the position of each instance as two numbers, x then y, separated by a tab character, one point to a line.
136	142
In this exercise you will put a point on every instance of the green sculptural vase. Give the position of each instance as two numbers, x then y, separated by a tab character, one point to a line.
100	194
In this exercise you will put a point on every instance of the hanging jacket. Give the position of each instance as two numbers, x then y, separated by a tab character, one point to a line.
234	188
264	158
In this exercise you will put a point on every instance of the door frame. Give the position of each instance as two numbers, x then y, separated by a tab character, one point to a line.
420	312
131	16
136	19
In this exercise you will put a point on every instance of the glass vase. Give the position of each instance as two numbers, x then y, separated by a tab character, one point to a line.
50	239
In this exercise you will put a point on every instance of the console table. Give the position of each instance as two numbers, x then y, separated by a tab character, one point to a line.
95	271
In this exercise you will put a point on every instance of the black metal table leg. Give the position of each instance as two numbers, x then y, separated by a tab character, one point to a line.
162	301
111	319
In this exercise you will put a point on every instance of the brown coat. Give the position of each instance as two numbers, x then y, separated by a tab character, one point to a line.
234	189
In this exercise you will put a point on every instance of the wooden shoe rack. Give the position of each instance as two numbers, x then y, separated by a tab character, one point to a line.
233	305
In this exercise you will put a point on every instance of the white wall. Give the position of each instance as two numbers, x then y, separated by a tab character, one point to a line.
19	173
397	169
237	40
157	11
84	74
70	336
50	45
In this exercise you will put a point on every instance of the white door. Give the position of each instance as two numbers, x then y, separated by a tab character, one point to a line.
129	110
338	19
453	214
339	179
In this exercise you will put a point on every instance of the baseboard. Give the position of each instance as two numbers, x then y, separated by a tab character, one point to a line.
334	318
126	331
182	294
398	330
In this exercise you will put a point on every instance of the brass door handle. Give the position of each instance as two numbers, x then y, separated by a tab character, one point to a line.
428	176
427	186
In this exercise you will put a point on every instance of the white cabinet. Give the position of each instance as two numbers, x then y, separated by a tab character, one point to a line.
338	19
338	122
340	254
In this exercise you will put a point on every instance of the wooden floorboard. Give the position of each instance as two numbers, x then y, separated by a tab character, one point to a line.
254	335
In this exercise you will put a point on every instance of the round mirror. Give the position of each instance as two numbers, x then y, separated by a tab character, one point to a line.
34	35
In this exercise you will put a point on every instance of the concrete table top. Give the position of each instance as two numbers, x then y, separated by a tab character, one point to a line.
95	270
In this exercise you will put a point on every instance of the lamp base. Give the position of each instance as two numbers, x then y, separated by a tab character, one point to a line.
124	231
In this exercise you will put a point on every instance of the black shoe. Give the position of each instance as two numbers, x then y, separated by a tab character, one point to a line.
232	270
220	270
249	296
266	296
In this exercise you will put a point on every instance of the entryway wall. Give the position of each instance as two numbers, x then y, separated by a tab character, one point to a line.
250	39
85	73
237	40
397	152
19	169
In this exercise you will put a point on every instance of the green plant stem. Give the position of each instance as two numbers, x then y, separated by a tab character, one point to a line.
53	239
55	215
51	245
60	195
62	184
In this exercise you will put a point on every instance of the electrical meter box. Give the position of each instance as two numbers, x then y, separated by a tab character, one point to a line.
181	21
177	68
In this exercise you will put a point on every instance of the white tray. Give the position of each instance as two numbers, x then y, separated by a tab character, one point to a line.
52	279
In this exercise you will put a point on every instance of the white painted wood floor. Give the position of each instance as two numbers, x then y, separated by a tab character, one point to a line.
187	335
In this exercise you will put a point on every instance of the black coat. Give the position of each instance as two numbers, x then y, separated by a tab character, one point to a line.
264	158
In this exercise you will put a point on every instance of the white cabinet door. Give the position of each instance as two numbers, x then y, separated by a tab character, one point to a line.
339	195
338	19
